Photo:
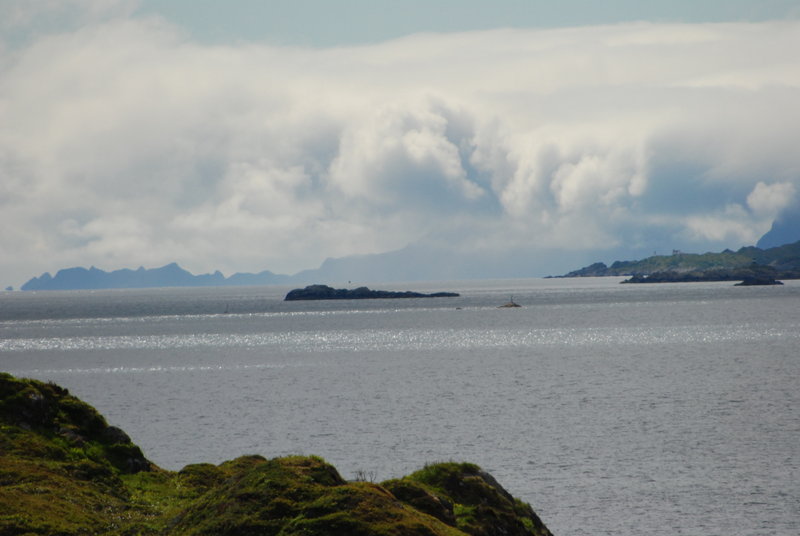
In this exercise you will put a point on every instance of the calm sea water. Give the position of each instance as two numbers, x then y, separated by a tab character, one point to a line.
612	409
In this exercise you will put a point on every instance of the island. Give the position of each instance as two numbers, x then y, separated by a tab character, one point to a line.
754	275
751	265
66	472
755	281
324	292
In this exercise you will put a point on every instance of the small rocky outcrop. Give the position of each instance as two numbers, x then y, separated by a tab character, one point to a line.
753	281
324	292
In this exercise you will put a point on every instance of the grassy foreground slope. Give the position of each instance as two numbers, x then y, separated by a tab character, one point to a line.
65	471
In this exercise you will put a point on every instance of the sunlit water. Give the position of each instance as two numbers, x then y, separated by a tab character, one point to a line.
612	409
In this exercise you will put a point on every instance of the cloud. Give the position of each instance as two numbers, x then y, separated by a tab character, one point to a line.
731	224
770	200
405	154
23	21
122	142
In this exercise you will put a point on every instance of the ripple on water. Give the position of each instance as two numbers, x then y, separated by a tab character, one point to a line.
408	339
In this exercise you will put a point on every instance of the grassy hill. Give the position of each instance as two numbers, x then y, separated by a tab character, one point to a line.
65	471
784	260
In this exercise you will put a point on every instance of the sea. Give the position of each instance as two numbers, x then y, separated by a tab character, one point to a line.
657	409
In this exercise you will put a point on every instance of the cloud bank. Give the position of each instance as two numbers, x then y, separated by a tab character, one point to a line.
124	143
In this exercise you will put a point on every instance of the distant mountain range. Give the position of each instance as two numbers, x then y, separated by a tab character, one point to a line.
784	260
408	264
170	275
411	263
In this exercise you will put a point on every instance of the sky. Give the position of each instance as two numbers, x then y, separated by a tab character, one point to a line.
251	135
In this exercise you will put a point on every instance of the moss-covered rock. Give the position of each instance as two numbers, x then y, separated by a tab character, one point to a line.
298	495
69	426
60	463
423	498
64	471
473	498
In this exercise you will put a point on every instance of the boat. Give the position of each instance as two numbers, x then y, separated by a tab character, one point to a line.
511	303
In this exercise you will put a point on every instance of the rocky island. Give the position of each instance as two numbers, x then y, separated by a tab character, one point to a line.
324	292
751	265
751	276
64	471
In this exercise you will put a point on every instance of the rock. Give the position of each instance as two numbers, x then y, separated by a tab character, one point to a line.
755	274
471	496
324	292
752	281
46	408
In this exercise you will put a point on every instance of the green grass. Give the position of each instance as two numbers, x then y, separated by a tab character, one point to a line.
464	495
785	259
64	471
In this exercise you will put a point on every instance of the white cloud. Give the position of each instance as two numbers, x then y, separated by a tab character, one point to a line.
400	153
729	225
123	143
22	21
770	199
